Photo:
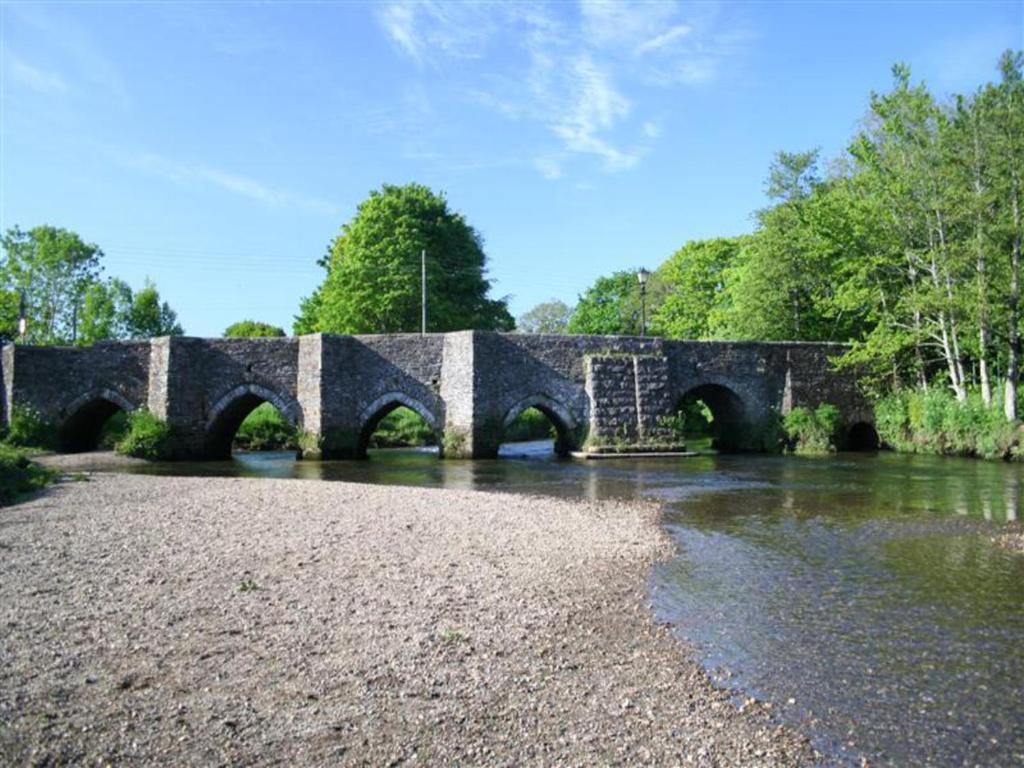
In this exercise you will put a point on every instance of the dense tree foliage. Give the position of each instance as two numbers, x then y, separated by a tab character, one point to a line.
694	280
373	270
111	310
51	268
65	301
245	329
612	305
547	317
909	247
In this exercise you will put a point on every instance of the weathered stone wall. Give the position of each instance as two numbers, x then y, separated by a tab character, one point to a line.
56	380
205	378
365	377
468	385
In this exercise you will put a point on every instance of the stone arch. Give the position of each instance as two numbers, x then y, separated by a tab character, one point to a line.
231	408
862	436
370	417
84	417
730	412
566	426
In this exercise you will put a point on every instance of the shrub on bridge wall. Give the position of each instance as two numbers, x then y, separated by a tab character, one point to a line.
813	432
28	429
147	438
453	444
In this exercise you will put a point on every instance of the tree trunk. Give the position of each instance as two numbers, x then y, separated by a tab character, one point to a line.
1013	305
981	268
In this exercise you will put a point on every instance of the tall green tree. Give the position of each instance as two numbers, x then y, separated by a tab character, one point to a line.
547	317
694	280
104	314
373	270
1007	112
245	329
612	305
148	317
52	268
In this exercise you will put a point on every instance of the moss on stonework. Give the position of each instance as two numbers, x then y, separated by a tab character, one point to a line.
454	444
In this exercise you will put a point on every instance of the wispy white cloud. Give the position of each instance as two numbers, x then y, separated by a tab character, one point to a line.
548	167
35	78
583	76
162	167
596	109
91	63
665	38
429	31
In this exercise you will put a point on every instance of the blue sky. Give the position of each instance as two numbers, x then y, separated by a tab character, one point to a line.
217	148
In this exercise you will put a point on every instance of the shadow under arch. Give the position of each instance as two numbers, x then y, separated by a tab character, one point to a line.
86	415
230	410
371	416
729	412
862	436
560	416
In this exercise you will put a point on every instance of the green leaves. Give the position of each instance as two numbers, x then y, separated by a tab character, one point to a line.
547	317
374	267
65	301
245	329
52	268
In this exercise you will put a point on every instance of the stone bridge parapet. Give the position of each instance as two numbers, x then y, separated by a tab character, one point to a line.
468	386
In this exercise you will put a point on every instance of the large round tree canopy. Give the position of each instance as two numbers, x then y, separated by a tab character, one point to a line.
373	282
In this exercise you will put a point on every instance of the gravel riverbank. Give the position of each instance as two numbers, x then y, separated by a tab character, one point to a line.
206	621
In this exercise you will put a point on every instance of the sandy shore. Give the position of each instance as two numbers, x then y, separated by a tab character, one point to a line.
93	461
192	621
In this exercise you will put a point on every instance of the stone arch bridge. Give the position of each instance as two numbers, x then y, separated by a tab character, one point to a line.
468	386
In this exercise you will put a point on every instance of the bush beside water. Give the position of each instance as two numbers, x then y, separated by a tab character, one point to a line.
28	429
813	432
19	475
936	422
147	437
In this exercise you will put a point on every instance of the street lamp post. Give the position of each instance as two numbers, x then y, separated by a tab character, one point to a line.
22	322
641	276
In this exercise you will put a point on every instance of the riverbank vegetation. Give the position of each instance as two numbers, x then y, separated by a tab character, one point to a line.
907	246
147	437
19	475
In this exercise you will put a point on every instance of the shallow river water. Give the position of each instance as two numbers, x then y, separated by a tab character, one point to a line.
862	595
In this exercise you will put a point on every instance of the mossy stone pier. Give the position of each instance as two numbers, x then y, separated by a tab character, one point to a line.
600	392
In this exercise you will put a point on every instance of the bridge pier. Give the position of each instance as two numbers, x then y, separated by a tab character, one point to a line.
600	392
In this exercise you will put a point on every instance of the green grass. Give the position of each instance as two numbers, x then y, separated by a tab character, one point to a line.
19	475
402	428
265	429
531	424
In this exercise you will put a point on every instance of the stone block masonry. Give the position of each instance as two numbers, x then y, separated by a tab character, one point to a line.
598	391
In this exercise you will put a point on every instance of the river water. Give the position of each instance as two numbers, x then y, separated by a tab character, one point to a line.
860	594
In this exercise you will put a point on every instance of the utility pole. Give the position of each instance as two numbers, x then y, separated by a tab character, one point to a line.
423	290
